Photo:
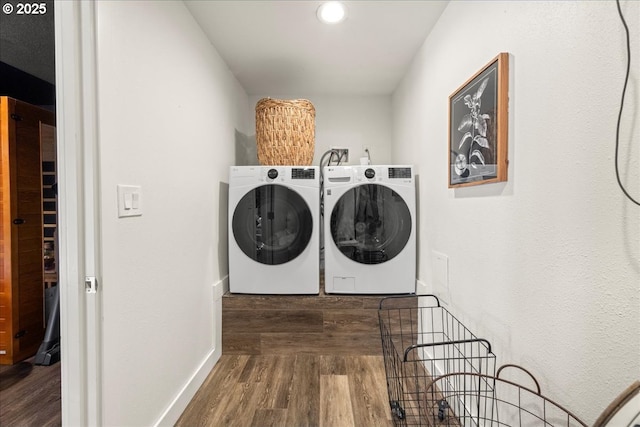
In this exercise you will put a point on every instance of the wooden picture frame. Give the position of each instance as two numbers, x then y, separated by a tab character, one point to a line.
478	126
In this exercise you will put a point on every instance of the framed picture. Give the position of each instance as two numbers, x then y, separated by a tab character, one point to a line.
478	128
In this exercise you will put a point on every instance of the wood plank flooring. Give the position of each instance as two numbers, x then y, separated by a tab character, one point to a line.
292	390
30	395
294	324
297	360
287	360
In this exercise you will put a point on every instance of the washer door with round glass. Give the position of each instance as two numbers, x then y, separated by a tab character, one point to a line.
370	224
272	224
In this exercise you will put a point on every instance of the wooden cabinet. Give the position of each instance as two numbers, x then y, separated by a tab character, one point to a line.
22	320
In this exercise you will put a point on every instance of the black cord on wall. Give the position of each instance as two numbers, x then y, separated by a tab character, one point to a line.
624	90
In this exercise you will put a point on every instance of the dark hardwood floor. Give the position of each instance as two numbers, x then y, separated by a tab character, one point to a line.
30	395
294	324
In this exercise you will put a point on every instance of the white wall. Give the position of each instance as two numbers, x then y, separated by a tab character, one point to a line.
354	122
547	265
169	113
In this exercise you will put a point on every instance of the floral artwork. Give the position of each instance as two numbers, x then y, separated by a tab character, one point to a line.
477	127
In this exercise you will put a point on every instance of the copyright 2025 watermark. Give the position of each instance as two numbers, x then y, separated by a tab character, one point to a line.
24	8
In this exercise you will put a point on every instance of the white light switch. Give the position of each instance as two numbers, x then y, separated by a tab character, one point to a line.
129	200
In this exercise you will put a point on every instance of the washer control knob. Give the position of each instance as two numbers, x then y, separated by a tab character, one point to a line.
272	174
369	173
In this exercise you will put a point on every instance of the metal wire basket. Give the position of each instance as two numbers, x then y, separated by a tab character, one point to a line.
421	340
473	399
285	132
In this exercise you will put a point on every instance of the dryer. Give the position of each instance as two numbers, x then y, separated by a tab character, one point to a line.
274	245
369	229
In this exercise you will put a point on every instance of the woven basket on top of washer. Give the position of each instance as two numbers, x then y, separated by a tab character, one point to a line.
285	132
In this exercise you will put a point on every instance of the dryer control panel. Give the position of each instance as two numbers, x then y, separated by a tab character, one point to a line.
399	173
303	173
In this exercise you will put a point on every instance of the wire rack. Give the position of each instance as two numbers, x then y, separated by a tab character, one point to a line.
473	399
421	341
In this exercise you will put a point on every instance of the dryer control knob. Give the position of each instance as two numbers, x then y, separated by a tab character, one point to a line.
272	174
369	173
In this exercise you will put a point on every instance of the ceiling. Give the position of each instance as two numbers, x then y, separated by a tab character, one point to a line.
27	43
281	48
277	47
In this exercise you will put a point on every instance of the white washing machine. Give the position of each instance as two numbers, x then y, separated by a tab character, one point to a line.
369	229
274	227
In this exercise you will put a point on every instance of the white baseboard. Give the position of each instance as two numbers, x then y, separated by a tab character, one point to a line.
184	397
186	394
443	294
221	288
422	288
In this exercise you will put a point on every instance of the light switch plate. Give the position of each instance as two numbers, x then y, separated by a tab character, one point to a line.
129	200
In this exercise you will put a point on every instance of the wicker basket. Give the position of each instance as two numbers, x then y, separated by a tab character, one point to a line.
285	132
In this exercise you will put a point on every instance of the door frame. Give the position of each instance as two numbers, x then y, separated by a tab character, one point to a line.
78	191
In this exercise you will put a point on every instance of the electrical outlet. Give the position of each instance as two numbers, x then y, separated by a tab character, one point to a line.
343	154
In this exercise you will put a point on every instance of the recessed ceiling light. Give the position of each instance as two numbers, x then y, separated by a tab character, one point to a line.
332	12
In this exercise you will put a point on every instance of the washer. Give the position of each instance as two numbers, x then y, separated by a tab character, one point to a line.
274	228
369	229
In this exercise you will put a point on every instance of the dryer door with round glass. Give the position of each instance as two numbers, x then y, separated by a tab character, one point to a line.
370	224
272	224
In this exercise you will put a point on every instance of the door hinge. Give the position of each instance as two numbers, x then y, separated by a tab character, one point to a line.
16	117
90	284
